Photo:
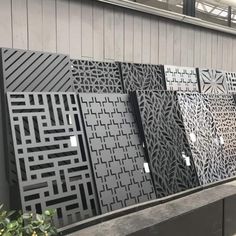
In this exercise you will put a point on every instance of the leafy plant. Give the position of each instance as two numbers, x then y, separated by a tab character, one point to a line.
27	224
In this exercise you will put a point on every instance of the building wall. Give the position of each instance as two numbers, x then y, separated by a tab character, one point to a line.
92	30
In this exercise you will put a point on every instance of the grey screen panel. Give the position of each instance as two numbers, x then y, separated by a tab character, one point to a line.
96	77
203	138
181	78
51	156
231	81
28	71
142	77
212	81
166	142
116	151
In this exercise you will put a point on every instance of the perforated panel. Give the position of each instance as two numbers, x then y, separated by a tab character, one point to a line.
51	156
181	78
231	81
96	77
203	138
212	81
116	151
166	142
35	71
142	77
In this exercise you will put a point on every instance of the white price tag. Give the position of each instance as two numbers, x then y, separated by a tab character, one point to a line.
221	140
187	160
73	141
193	137
146	167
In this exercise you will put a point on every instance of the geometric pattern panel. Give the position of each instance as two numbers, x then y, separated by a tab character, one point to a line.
166	142
231	81
203	138
181	78
29	71
212	81
142	77
51	156
96	77
223	109
116	151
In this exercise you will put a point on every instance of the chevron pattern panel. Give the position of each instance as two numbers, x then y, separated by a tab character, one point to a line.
166	142
27	71
116	151
203	138
212	81
142	77
231	81
51	156
181	78
96	77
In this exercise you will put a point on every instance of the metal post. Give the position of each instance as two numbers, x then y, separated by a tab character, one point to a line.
229	15
189	7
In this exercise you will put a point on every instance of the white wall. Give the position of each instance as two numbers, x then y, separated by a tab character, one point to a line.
92	30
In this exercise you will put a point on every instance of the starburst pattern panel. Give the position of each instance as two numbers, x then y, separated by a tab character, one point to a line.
223	109
116	151
166	142
142	77
51	156
96	77
181	78
212	81
203	138
231	81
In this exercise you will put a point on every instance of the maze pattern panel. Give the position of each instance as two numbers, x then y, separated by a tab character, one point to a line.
203	138
169	152
231	81
212	81
116	151
51	156
142	77
223	109
181	78
29	71
96	77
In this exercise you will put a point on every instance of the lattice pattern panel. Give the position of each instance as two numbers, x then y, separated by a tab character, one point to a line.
142	77
51	156
116	151
231	81
181	78
203	138
164	134
212	81
223	109
28	71
96	77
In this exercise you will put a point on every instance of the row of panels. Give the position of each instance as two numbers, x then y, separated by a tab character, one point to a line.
86	154
36	71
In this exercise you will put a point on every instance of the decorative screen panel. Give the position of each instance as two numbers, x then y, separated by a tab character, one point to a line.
181	78
27	71
142	77
212	81
96	77
116	151
166	142
231	81
51	156
203	138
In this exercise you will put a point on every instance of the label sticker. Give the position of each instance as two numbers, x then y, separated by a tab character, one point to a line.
146	167
187	159
221	140
73	141
193	137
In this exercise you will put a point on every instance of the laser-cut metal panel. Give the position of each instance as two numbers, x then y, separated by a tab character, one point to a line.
142	77
212	81
96	77
51	156
231	81
181	78
203	138
116	151
223	109
30	71
166	142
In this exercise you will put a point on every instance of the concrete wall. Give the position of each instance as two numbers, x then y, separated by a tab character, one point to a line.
92	30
